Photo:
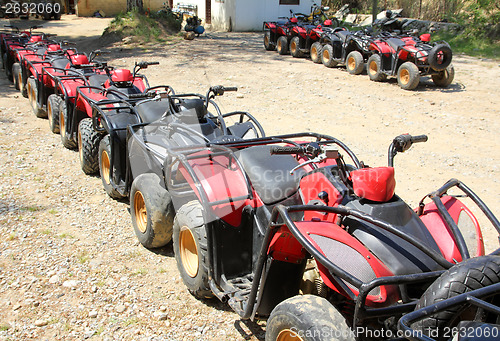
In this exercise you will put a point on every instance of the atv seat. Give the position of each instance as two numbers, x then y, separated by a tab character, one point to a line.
395	43
191	111
151	110
343	35
61	62
270	174
98	80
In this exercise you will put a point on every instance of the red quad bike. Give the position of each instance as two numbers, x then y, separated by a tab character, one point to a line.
408	58
305	39
283	229
62	79
469	329
76	126
137	164
276	33
340	46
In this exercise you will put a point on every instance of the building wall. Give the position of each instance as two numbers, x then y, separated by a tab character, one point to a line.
87	8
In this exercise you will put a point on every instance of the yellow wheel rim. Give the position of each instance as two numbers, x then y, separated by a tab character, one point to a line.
279	44
188	252
266	40
49	113
373	68
62	124
293	47
351	63
20	81
105	166
141	214
314	53
288	335
404	76
326	55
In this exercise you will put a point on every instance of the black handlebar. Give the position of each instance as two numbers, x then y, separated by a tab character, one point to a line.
144	65
287	150
402	143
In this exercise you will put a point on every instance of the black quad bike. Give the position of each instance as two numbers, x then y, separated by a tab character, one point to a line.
341	46
133	164
282	228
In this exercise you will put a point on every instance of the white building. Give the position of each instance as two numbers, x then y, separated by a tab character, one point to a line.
244	15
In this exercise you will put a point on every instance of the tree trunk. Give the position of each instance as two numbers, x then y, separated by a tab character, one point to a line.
134	4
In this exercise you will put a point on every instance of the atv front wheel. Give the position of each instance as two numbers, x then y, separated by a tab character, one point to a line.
445	77
307	318
105	156
88	146
375	68
17	76
66	138
355	63
190	248
53	104
471	274
327	56
295	47
282	45
267	42
33	99
151	210
408	76
315	52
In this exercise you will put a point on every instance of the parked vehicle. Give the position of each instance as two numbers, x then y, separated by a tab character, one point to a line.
284	228
341	46
303	37
276	34
408	58
137	165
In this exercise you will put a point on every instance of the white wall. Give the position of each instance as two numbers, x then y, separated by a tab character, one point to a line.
199	3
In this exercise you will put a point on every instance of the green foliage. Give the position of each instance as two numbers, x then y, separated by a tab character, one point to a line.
470	45
142	27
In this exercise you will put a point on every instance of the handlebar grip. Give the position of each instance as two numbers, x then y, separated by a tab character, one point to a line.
287	150
419	138
153	63
230	88
138	95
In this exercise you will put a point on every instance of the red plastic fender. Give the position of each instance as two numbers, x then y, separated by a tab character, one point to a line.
376	184
441	233
70	85
426	37
381	47
349	254
83	105
310	187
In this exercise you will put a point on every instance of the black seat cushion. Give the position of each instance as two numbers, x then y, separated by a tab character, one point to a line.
343	35
60	62
151	110
270	174
98	80
395	43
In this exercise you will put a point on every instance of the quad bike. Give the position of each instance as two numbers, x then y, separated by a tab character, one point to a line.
134	164
472	328
276	34
303	37
75	122
282	228
341	46
408	58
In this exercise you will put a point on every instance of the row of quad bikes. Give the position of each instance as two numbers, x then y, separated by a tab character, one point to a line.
293	228
384	54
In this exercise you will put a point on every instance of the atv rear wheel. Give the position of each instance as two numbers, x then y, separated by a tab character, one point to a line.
408	76
53	104
190	248
327	56
295	47
88	146
375	68
105	155
267	42
151	210
33	98
307	318
315	53
445	77
17	76
355	63
471	274
66	138
282	45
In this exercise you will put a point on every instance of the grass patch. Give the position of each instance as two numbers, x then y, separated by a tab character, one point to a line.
470	44
141	271
143	28
83	257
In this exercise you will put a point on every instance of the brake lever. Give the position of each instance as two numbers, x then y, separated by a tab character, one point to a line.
317	159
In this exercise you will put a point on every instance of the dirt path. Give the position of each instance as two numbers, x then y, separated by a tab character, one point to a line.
70	265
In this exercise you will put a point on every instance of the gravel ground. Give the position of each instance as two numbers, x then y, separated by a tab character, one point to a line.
70	265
